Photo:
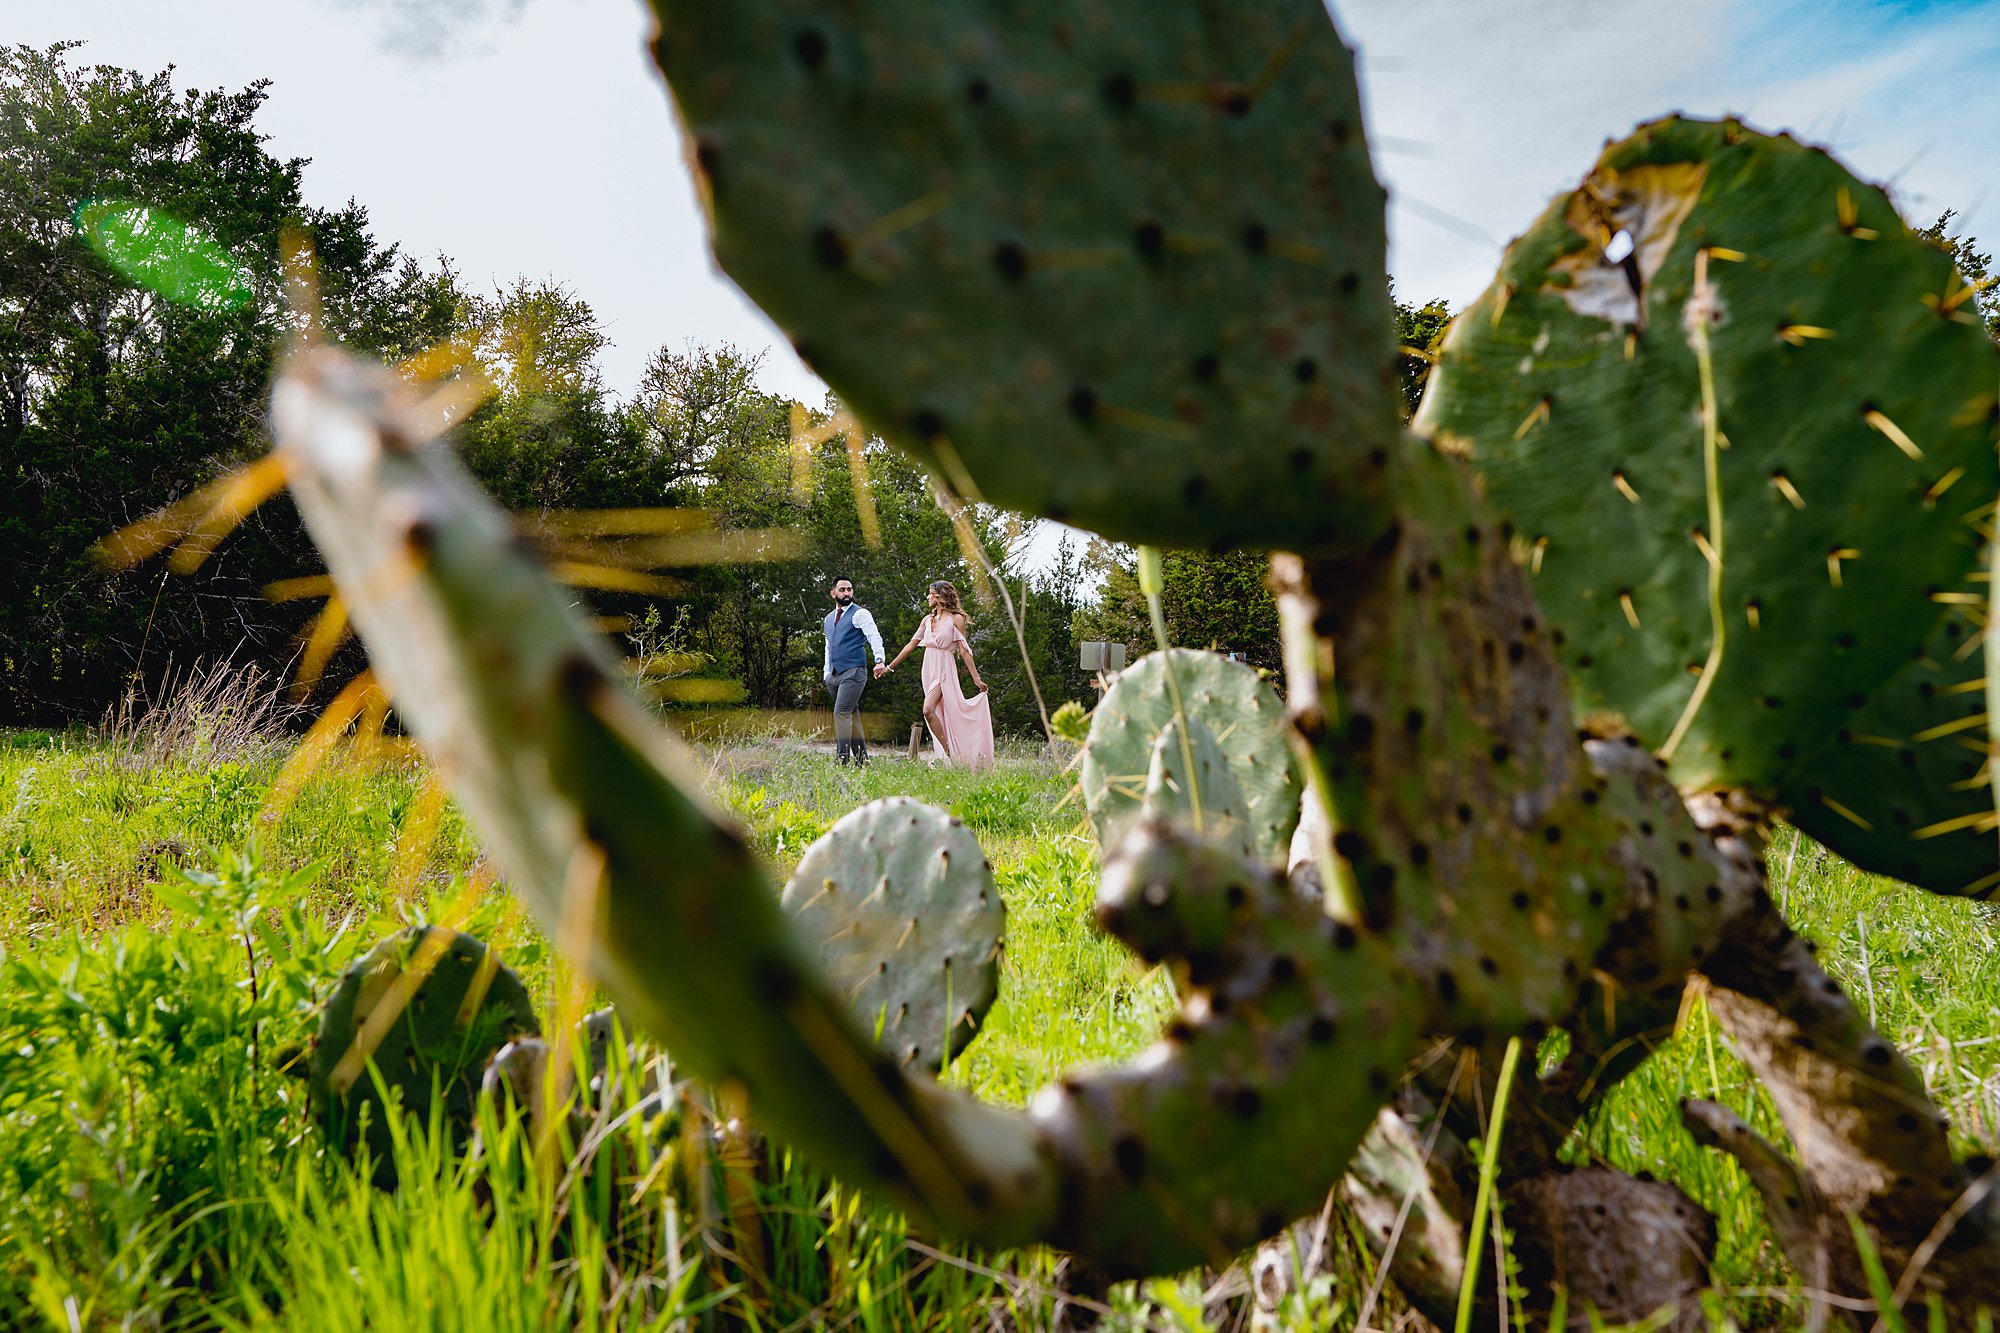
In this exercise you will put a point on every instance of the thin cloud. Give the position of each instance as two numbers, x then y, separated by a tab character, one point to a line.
428	31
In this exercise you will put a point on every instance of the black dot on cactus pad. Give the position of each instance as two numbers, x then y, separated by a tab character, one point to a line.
978	91
1011	260
1488	966
1447	985
1344	937
1121	90
809	45
1420	854
1237	103
1149	237
1320	1030
1129	1155
1908	1122
1284	968
1597	897
1256	238
1206	366
927	424
1382	880
1520	901
1876	1053
831	247
1195	489
1361	731
1552	834
1713	893
1083	402
1500	754
1305	370
1349	283
1464	813
1350	844
1301	460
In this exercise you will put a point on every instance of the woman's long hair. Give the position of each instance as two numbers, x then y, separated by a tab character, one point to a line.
949	595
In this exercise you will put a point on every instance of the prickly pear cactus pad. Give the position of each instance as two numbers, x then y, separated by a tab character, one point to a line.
1050	248
1811	551
901	900
1171	796
1237	708
427	1005
1901	788
1464	813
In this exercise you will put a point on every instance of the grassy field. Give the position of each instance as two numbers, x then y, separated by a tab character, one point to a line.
156	1171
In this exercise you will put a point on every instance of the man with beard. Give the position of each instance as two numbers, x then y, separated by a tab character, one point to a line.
850	633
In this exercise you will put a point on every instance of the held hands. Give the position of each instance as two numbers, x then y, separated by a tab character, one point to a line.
882	669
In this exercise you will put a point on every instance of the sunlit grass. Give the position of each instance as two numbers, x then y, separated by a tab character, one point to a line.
150	1174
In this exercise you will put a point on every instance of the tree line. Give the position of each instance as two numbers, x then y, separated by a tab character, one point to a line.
114	401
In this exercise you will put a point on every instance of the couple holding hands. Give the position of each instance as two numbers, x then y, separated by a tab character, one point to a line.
961	728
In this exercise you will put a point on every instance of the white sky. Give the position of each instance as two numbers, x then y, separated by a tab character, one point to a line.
532	137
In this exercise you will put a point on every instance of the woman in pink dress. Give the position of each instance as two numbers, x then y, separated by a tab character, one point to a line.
961	728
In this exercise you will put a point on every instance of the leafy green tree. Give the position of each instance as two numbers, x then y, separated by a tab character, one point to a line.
1974	265
115	399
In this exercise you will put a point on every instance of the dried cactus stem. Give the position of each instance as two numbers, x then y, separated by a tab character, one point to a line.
1871	1144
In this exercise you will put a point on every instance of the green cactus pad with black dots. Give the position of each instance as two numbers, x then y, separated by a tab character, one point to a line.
900	899
1121	266
1902	788
1170	796
1855	399
428	1007
1232	702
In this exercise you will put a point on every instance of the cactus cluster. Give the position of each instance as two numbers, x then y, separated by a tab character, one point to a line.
1677	543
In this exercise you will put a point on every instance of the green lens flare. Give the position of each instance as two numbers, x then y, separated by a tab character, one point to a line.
176	259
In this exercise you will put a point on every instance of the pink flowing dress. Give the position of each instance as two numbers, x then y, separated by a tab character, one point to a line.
968	723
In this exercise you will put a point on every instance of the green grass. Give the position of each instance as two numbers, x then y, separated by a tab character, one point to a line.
156	1170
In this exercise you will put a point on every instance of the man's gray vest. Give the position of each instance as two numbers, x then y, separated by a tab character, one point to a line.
845	645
